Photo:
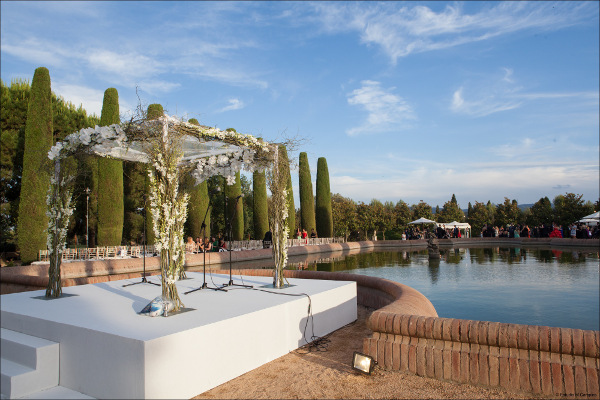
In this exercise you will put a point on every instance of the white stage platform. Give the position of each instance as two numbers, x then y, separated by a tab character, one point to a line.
107	350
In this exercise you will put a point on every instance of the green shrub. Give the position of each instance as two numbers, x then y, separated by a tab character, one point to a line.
110	181
307	201
260	205
33	222
324	217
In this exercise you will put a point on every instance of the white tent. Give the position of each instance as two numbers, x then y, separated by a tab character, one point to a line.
422	221
460	225
592	219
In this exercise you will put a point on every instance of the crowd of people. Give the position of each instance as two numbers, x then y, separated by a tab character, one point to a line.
578	231
200	246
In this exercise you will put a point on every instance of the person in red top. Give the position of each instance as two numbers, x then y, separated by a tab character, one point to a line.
555	233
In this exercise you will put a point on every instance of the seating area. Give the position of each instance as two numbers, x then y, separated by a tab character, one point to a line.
95	253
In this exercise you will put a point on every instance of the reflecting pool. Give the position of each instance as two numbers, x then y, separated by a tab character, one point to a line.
516	285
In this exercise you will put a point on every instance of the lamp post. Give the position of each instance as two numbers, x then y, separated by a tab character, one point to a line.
87	211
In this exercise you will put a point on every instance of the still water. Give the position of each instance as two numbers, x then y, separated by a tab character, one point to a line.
515	285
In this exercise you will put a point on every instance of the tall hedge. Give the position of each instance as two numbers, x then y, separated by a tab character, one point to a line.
198	204
260	205
110	181
237	224
324	217
33	222
291	219
154	111
307	201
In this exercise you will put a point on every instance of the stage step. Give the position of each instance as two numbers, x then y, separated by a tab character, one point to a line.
28	364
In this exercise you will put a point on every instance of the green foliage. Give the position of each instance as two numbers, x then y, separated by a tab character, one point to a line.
323	214
260	205
248	199
110	181
291	219
197	209
307	201
403	214
344	215
451	212
33	222
507	213
421	210
478	217
66	119
235	209
570	207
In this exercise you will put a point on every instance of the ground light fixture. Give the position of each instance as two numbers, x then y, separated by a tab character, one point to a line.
363	363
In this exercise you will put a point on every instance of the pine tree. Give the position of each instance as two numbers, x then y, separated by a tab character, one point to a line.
260	205
323	215
197	205
291	219
307	201
33	222
235	209
110	181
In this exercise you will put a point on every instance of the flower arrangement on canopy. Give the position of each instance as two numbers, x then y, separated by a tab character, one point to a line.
170	146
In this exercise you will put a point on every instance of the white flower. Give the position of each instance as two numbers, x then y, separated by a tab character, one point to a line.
55	151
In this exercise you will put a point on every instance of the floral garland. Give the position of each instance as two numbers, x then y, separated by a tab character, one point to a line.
169	211
59	211
277	218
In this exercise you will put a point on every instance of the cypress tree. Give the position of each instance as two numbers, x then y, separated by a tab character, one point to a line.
307	201
260	205
291	219
33	222
110	181
324	217
197	205
234	206
154	111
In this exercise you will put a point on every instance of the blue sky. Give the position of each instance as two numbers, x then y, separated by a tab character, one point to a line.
406	100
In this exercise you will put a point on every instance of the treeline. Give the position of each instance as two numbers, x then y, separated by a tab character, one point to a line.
358	221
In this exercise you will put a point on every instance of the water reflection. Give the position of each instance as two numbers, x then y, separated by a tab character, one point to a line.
541	286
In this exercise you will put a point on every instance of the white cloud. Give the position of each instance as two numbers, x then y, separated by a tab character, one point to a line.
400	29
435	183
481	107
91	99
234	104
386	111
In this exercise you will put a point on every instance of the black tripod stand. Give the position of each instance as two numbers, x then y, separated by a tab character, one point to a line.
144	280
230	237
203	229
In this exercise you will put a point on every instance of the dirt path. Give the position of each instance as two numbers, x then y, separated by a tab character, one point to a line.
329	375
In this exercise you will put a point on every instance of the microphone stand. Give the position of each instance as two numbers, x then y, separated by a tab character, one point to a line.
203	229
230	249
144	280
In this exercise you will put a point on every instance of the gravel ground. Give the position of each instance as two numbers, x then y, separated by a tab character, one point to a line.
329	375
